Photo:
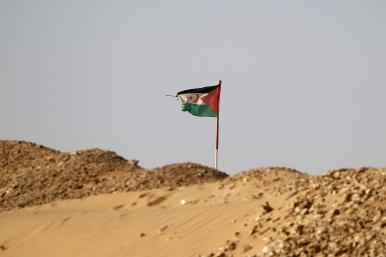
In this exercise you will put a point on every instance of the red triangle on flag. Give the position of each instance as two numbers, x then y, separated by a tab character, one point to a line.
212	99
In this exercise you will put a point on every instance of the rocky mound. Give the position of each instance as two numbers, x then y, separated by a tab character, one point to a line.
170	176
176	175
15	155
265	176
31	174
340	213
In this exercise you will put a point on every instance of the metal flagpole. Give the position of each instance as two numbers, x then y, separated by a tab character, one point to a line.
217	129
216	151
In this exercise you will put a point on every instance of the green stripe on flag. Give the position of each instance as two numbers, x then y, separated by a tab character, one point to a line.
198	110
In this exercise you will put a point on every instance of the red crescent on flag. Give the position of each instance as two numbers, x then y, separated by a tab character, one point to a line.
193	98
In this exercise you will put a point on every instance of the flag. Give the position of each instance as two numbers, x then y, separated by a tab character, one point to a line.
202	102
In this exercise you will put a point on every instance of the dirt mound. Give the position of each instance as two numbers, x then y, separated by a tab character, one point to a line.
270	211
33	174
15	154
340	213
265	176
174	175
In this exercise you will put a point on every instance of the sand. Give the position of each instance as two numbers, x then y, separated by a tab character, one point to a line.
187	221
260	212
125	225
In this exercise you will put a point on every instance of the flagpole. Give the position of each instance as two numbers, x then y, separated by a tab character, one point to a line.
217	129
216	151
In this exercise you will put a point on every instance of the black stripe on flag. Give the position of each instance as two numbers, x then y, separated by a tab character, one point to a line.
201	90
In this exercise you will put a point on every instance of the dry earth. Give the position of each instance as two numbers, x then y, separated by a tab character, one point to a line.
31	174
95	203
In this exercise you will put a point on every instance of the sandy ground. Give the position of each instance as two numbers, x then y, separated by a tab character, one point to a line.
182	222
223	219
182	210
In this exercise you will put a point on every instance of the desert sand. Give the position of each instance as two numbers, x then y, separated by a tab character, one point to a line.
260	212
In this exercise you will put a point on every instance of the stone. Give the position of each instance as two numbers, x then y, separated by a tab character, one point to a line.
163	228
230	246
247	248
266	250
267	208
253	230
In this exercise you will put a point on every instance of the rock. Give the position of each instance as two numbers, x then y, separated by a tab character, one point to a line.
253	230
246	248
163	228
230	246
335	212
266	207
266	250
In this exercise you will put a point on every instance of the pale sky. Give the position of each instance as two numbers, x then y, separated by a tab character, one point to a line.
304	82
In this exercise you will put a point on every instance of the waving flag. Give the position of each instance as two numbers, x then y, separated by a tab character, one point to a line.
202	102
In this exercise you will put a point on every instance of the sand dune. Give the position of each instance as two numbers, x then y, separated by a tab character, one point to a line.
31	174
260	212
182	222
